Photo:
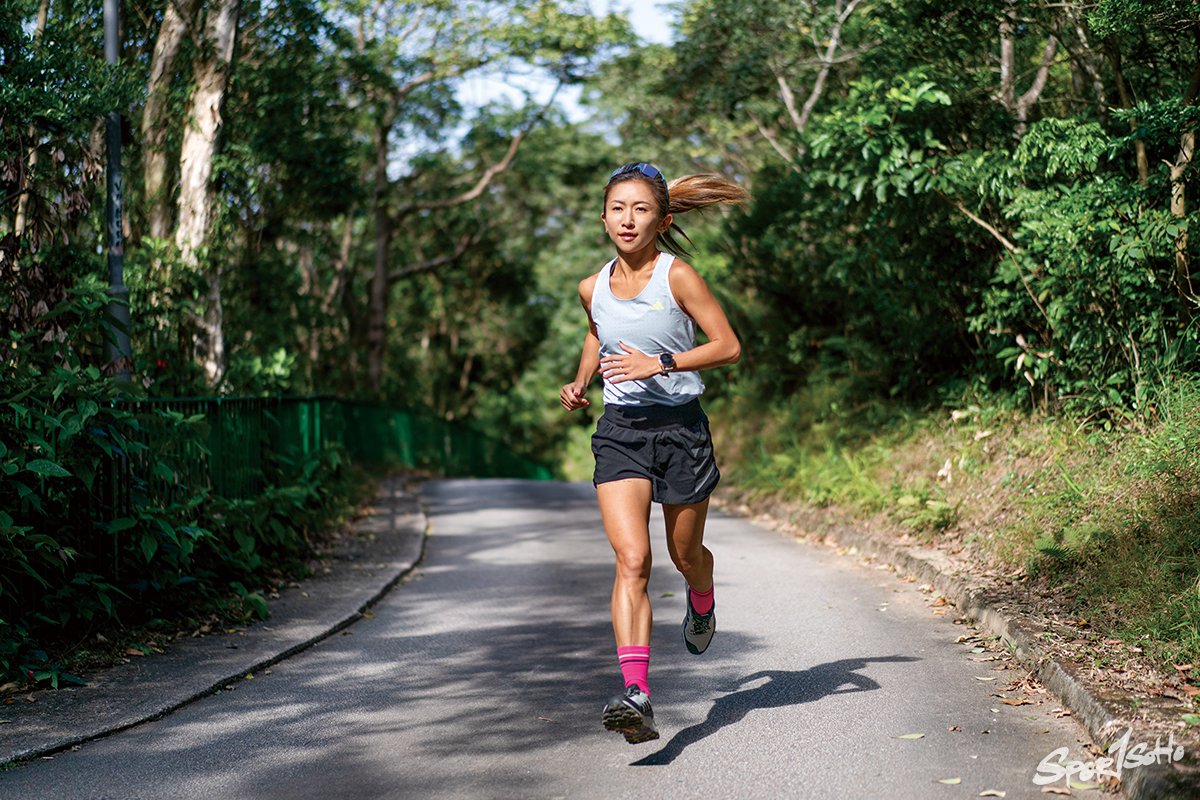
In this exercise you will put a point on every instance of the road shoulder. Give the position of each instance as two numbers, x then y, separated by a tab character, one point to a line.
385	543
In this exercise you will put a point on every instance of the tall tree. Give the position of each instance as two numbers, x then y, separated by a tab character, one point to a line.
414	51
178	20
214	61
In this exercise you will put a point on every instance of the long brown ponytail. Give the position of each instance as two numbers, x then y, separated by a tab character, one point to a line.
692	192
689	193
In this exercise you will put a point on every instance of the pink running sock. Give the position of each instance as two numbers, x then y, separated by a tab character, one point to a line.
702	602
635	665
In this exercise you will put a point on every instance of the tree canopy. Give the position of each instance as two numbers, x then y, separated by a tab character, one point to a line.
949	197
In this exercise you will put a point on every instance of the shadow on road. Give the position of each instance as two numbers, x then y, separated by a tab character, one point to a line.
782	688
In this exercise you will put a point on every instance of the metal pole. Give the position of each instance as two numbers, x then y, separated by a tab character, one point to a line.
117	348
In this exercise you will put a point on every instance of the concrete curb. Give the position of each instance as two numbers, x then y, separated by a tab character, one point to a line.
1103	722
385	546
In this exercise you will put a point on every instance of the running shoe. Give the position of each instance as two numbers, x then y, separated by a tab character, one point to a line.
698	629
631	714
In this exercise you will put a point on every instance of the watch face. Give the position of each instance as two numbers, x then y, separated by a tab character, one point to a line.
667	360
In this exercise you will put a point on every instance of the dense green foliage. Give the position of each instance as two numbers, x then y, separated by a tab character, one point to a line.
106	512
924	223
108	518
950	198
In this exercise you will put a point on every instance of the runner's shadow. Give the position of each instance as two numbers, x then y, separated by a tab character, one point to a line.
782	688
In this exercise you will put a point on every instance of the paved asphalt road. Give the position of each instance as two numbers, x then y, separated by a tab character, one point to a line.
483	676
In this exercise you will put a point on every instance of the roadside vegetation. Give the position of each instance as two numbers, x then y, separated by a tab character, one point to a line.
963	285
1104	521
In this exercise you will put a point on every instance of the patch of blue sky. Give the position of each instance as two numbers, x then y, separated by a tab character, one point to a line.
652	20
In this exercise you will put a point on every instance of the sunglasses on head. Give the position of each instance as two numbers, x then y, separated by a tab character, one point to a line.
649	170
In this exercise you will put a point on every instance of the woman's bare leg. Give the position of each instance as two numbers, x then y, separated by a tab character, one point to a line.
625	509
685	543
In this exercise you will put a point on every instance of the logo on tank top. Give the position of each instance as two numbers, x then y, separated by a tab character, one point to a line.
658	306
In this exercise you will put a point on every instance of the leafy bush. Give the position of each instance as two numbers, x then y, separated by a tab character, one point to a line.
840	252
1090	311
107	514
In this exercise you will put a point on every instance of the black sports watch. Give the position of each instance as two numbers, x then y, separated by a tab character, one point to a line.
666	363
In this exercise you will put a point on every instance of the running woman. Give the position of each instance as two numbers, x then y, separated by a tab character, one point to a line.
652	444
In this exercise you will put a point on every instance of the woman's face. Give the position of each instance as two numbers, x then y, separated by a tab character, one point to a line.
631	216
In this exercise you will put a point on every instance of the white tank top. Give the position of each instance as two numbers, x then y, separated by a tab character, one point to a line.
653	323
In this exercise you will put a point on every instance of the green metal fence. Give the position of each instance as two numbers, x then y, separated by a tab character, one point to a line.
236	449
247	444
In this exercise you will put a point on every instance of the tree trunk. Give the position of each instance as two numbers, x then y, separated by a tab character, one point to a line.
1021	106
333	330
178	19
377	325
1187	146
212	68
32	157
386	217
1179	170
1139	146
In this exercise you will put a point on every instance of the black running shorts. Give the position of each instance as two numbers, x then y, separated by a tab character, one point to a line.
670	446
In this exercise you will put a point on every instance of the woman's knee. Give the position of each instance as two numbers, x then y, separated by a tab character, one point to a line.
682	563
690	561
633	563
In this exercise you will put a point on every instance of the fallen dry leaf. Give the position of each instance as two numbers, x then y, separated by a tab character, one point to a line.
988	678
1016	701
910	736
950	781
993	793
1055	790
1183	667
953	728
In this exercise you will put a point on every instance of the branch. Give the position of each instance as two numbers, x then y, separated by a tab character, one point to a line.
1039	83
490	173
789	100
1007	56
987	226
772	140
413	28
1012	249
844	58
1029	291
835	40
1189	98
433	263
431	75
